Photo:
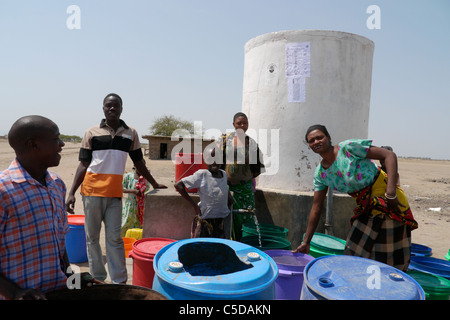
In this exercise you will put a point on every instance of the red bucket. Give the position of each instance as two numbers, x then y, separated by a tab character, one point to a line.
143	252
186	164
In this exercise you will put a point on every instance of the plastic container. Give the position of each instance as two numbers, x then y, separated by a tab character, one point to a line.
326	245
76	239
267	242
134	233
143	252
251	229
213	268
420	250
106	292
439	267
435	287
343	277
288	285
186	164
128	245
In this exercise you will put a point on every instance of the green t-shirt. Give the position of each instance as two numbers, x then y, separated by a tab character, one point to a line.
351	171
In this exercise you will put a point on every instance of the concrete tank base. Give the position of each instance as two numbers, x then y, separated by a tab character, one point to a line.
168	215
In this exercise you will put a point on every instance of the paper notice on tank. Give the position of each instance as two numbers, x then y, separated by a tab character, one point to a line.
298	60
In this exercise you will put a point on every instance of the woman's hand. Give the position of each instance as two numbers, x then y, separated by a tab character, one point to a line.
302	248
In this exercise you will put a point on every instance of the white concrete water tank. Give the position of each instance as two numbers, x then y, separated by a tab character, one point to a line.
295	79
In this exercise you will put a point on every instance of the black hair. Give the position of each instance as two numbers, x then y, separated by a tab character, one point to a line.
317	127
239	114
114	95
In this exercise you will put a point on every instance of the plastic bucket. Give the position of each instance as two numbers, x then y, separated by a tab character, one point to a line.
251	229
439	267
186	164
134	233
267	242
420	250
288	285
435	287
326	245
143	251
128	245
343	277
213	268
106	292
76	239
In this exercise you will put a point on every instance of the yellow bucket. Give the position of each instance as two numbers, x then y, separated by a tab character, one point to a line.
134	233
128	245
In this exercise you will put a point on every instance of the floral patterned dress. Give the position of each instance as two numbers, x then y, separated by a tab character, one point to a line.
133	207
351	171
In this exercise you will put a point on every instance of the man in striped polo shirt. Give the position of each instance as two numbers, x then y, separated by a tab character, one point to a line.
103	155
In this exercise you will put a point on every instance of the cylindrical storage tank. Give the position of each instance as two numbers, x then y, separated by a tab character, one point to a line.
143	252
289	283
214	269
76	239
355	278
295	79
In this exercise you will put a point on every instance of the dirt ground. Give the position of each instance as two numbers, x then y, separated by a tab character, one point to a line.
425	182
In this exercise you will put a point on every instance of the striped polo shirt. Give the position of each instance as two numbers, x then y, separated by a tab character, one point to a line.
106	151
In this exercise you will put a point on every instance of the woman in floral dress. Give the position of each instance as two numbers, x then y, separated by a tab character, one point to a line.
382	220
134	185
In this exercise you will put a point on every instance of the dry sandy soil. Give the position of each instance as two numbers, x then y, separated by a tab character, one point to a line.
426	183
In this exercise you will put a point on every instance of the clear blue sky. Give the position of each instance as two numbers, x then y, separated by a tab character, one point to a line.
186	58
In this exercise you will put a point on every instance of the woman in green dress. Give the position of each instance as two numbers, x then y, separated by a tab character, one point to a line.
242	162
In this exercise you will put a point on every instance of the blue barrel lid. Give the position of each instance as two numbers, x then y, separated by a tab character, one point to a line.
420	250
327	243
287	260
439	267
262	270
342	277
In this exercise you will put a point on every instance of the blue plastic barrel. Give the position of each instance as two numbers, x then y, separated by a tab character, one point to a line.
420	250
76	239
288	285
439	267
211	269
342	277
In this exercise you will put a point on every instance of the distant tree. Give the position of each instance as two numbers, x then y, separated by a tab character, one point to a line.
165	125
67	138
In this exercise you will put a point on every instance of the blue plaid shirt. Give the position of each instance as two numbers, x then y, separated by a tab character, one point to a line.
33	225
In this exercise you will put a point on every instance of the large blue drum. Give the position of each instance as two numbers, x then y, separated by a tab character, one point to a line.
342	277
212	268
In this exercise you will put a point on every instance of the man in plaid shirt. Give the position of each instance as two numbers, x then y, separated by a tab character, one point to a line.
33	220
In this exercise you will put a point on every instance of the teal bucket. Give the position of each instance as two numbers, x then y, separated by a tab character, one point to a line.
267	242
435	287
251	229
326	245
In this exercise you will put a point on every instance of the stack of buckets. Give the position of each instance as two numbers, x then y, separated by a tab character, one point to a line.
431	273
272	237
326	245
